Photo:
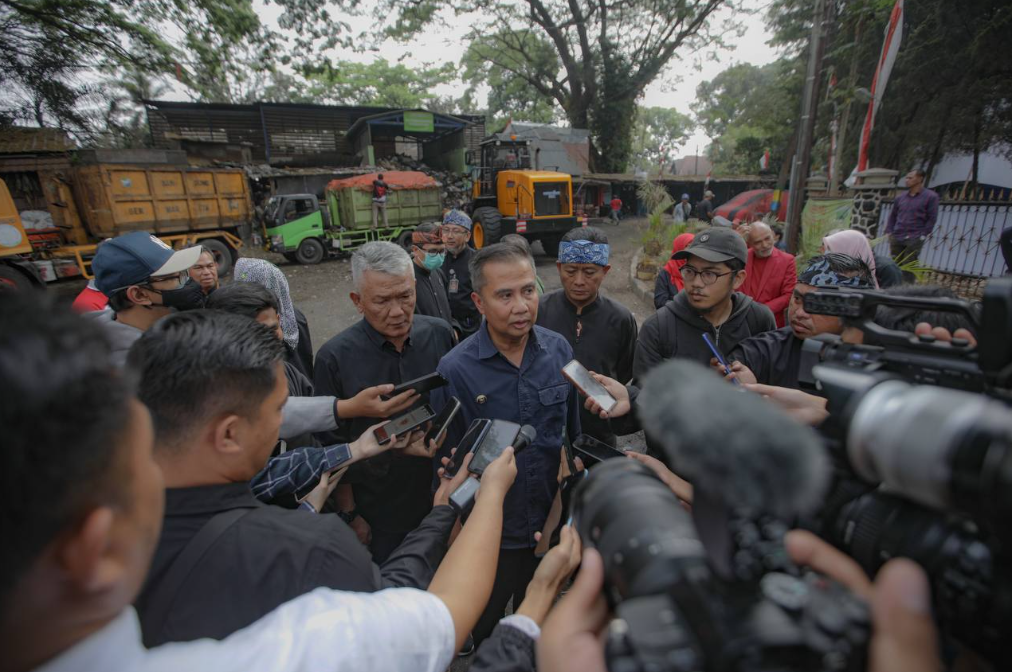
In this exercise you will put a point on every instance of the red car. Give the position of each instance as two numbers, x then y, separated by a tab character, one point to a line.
749	206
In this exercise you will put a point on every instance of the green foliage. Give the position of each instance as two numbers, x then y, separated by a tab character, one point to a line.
511	96
656	135
748	110
378	83
601	58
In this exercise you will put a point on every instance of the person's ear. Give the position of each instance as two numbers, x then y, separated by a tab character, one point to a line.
478	303
139	295
558	267
605	269
226	434
87	554
357	300
739	280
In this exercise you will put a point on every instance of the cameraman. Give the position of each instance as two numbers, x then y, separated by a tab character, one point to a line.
904	638
82	505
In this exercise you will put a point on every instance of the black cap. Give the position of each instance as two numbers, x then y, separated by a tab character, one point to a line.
715	244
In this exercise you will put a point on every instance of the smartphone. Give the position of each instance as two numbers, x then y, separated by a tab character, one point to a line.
498	436
579	376
404	423
720	358
442	421
421	385
593	450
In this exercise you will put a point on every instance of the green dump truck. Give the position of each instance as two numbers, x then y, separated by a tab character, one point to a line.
306	231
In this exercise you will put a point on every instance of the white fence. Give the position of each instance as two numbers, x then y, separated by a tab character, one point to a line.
965	239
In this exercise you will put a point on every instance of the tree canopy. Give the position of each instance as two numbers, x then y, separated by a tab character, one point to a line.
659	132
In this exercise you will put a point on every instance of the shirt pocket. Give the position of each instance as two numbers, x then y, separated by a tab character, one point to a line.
553	394
553	412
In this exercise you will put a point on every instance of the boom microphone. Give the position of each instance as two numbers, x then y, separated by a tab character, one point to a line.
735	447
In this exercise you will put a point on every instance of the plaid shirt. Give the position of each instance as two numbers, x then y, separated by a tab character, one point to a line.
297	472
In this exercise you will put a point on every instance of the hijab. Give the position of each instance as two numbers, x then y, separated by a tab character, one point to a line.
270	276
674	266
854	244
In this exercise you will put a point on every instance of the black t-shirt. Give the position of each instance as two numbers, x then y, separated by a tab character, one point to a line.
773	356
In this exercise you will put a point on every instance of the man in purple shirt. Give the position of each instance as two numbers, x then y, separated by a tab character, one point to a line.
912	219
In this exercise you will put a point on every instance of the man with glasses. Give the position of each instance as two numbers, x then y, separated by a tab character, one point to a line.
145	280
456	234
710	304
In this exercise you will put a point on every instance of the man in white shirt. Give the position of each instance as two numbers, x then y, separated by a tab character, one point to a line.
82	508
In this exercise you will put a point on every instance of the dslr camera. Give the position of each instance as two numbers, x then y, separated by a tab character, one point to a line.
921	434
680	608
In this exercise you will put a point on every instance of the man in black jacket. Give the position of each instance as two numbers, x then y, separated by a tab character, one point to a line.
428	254
214	384
714	269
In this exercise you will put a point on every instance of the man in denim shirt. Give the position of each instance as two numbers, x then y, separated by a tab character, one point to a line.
511	369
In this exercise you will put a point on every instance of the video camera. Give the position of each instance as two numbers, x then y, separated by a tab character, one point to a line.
986	367
677	610
921	433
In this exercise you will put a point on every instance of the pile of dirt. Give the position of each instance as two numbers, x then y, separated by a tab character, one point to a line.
455	188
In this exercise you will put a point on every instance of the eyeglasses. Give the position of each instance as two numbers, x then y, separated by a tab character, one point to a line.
181	278
709	277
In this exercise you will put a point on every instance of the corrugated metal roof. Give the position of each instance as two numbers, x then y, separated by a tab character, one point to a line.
23	140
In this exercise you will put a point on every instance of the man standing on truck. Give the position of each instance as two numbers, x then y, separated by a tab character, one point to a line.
144	280
379	200
456	234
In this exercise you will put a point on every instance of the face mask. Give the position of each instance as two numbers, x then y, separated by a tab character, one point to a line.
433	260
188	297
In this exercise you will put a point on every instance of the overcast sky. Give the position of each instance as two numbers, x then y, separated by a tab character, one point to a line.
676	89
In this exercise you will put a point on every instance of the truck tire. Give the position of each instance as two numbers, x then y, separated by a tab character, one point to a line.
404	240
310	252
487	227
550	244
11	279
291	257
222	254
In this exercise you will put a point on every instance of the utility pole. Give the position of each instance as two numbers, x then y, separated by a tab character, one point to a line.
806	129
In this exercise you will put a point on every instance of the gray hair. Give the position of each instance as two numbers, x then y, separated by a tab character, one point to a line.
500	252
380	257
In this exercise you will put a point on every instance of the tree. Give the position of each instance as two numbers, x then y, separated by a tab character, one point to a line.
659	131
378	83
606	52
748	110
509	96
123	115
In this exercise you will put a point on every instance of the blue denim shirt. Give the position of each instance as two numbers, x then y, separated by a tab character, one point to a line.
490	386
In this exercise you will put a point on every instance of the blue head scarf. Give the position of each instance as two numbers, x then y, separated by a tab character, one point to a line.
583	252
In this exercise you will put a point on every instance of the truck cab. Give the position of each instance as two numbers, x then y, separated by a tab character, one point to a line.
292	219
16	270
509	196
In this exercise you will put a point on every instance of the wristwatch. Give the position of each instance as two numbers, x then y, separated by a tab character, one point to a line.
348	516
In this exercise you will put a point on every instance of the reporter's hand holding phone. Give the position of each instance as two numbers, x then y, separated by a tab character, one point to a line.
369	403
367	446
450	482
498	476
615	389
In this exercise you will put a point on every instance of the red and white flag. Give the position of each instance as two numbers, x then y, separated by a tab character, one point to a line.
764	161
891	47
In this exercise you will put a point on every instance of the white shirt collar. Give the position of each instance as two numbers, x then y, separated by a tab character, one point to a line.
117	646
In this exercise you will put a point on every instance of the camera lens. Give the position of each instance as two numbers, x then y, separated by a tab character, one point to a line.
647	540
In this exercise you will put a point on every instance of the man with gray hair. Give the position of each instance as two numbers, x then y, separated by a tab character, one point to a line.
386	497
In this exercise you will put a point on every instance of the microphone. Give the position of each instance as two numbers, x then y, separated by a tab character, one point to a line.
737	449
525	437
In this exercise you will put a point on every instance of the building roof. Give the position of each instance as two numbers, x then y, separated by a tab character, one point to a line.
24	140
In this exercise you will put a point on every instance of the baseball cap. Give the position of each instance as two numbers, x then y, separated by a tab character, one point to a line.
685	197
716	245
133	258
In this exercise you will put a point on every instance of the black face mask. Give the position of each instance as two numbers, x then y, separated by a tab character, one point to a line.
188	297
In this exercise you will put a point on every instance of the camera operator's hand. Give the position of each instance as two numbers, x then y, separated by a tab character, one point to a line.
498	476
553	571
805	408
571	637
904	638
448	484
369	404
678	485
615	389
943	334
738	370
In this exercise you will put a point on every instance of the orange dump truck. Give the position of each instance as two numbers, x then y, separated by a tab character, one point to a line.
182	205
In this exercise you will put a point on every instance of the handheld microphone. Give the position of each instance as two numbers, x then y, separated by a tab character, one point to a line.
462	498
525	437
753	469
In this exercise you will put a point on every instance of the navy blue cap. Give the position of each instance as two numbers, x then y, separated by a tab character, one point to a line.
133	258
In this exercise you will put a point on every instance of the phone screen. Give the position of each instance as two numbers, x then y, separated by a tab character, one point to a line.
594	449
500	435
578	375
404	423
420	385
